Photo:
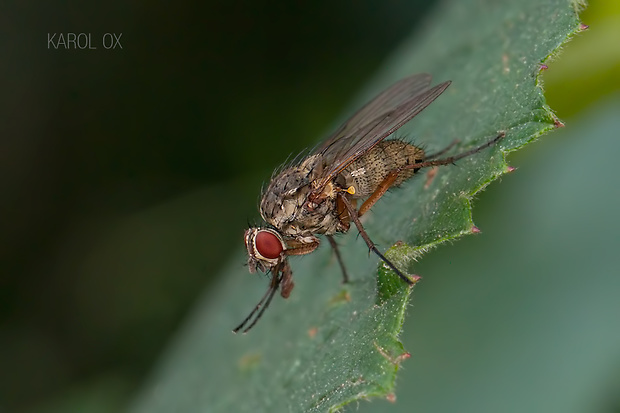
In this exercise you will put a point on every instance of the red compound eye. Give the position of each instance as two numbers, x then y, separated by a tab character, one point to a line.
268	244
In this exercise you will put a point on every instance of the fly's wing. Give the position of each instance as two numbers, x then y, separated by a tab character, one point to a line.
379	118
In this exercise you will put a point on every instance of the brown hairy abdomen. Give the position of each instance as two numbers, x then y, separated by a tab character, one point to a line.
366	173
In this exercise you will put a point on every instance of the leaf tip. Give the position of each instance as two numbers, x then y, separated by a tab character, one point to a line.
403	357
475	230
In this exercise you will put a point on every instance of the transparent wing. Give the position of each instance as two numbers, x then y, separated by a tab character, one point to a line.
379	118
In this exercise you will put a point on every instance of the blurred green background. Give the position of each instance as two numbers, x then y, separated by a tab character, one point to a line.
130	174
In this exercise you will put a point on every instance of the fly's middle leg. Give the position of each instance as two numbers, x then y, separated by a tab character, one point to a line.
332	242
355	218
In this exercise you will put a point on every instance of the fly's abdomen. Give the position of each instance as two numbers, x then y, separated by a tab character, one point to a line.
368	172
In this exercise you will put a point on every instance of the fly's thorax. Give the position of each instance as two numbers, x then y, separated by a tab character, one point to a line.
284	203
286	192
367	172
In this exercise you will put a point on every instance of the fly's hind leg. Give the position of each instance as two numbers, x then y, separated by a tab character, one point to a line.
441	152
451	159
389	180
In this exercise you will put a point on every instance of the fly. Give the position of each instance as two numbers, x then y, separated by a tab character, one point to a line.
319	194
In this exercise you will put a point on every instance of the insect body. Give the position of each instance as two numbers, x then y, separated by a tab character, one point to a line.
319	194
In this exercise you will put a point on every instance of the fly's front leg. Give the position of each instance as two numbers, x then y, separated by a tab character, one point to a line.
276	278
296	247
354	216
286	283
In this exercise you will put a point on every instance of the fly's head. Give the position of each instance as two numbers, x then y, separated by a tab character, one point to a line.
265	248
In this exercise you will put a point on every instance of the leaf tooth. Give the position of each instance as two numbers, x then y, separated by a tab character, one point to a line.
396	360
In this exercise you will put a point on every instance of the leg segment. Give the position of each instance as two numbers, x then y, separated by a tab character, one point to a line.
276	278
444	150
332	242
301	248
389	180
371	245
379	192
452	159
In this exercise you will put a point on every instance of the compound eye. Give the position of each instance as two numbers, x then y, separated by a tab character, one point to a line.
268	245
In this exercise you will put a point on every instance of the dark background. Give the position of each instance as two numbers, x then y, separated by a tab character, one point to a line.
202	98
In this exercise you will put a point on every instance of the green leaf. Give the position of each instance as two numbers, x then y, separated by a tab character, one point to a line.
330	344
524	317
